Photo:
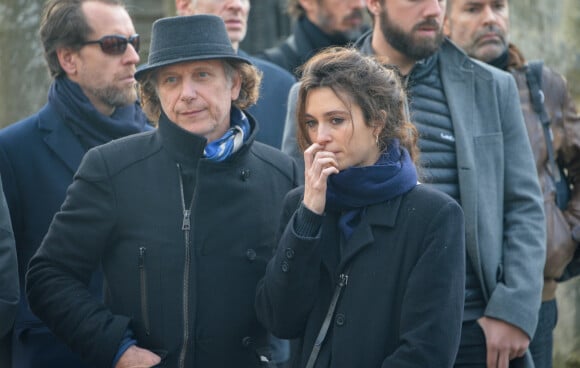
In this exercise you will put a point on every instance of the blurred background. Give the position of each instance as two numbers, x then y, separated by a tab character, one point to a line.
545	29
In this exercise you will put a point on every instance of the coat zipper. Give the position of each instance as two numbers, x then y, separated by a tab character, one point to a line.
185	227
143	281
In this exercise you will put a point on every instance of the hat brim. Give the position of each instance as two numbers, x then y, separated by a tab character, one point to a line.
145	68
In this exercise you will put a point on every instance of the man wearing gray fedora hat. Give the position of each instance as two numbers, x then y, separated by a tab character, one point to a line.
270	109
182	220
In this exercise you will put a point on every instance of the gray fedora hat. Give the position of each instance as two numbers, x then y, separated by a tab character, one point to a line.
188	38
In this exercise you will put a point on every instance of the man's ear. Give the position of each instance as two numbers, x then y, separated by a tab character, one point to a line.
308	5
236	85
374	6
184	7
446	26
67	59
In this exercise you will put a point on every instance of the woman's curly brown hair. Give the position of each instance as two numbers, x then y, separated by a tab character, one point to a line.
370	83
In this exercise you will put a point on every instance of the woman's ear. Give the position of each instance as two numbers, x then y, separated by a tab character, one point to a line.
380	124
384	117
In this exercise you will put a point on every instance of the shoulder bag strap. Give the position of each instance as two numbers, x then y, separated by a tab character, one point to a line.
343	280
534	80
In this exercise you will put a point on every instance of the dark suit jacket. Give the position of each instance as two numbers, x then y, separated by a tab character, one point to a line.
9	286
38	158
270	110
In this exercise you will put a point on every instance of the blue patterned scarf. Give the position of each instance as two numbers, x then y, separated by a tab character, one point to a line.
354	189
232	140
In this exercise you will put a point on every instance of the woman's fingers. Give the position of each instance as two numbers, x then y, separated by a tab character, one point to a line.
319	165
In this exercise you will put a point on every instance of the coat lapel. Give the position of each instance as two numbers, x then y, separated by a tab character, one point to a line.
458	82
381	214
331	244
60	139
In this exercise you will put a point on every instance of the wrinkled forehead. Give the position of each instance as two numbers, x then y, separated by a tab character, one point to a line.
219	2
192	66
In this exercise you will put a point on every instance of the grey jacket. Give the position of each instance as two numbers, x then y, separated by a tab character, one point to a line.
500	193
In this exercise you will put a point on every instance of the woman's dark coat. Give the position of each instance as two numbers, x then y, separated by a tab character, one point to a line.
403	303
124	209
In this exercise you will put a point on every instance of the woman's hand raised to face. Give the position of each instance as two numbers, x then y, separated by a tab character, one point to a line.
318	166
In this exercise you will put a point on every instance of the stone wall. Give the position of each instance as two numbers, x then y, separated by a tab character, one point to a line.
23	74
550	30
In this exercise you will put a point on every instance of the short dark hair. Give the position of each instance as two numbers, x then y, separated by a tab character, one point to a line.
63	24
373	85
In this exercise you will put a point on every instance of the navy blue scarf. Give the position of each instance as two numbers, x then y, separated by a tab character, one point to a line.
92	127
354	189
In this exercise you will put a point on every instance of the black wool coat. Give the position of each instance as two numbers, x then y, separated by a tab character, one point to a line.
184	285
402	305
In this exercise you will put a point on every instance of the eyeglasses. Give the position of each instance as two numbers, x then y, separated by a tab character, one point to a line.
115	44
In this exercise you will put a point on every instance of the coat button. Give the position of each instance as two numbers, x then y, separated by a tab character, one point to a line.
251	254
289	253
245	174
340	319
285	266
247	341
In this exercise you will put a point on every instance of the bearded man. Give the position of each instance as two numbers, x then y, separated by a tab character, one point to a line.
474	147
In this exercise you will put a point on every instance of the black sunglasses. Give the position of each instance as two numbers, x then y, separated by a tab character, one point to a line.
115	44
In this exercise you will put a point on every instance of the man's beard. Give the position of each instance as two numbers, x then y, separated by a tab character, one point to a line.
405	43
475	47
114	96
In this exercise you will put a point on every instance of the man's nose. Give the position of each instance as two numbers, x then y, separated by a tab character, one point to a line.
236	4
131	55
188	91
489	15
357	4
434	9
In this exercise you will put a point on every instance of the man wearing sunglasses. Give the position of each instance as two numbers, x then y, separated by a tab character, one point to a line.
91	48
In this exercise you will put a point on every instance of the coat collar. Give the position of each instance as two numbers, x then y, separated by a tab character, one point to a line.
458	74
186	147
516	59
182	145
378	215
59	138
